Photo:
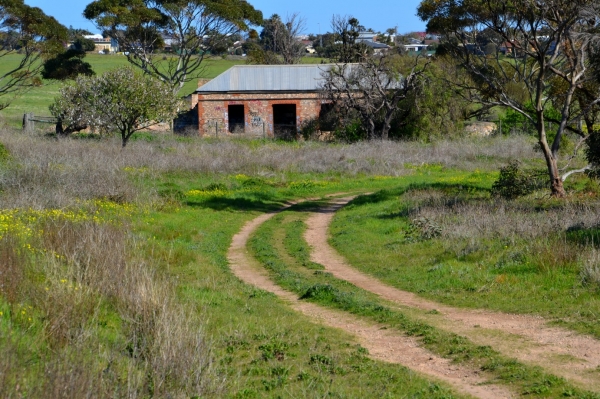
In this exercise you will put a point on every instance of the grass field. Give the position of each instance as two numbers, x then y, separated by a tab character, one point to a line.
38	99
115	281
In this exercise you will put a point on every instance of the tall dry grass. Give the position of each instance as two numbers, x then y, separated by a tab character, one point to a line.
52	173
541	232
80	269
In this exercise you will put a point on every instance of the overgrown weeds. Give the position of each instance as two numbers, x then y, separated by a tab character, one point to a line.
106	322
54	173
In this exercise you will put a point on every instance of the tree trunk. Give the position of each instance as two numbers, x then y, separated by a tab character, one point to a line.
556	183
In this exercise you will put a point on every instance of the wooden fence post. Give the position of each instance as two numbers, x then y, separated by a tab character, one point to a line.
28	123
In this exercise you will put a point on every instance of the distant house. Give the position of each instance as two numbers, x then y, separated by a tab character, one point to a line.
378	48
262	100
411	48
366	37
370	40
104	44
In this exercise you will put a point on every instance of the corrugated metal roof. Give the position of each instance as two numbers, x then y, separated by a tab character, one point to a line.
259	78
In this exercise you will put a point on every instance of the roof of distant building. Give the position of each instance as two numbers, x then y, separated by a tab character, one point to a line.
258	78
375	45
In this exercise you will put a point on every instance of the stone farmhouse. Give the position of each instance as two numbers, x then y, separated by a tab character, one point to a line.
261	100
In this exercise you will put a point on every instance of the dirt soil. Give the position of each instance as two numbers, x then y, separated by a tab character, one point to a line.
382	344
527	338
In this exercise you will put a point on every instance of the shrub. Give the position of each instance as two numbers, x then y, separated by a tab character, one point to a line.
514	182
592	152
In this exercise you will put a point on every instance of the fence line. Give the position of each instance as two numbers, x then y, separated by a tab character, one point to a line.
29	120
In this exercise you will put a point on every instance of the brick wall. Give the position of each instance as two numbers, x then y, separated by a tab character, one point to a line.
213	113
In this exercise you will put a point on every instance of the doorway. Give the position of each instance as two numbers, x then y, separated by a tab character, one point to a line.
284	121
236	118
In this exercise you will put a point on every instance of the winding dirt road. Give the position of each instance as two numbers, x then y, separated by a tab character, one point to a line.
382	344
527	338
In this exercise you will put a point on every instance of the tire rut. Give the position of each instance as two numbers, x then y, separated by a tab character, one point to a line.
527	338
382	344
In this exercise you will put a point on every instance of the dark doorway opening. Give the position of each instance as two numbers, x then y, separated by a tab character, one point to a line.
236	118
327	118
284	121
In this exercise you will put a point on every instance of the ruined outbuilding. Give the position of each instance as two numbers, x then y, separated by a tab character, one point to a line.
261	100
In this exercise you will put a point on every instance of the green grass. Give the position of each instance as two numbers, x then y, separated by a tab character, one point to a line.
38	99
286	260
264	348
260	348
539	276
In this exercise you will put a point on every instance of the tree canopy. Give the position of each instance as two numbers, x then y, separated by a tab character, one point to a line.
67	65
279	43
31	34
192	28
120	100
532	57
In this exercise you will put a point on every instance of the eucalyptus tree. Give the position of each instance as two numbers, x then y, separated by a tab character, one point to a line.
192	28
281	38
547	75
27	36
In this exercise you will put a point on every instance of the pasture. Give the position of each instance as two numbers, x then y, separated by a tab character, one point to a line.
37	99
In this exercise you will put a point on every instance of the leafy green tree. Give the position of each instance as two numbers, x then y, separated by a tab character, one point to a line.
193	27
280	37
67	65
550	42
74	33
120	100
346	48
31	34
83	44
434	109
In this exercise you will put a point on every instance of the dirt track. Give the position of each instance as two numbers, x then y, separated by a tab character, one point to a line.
382	344
527	338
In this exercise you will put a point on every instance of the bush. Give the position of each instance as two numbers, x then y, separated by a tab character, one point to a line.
514	182
592	152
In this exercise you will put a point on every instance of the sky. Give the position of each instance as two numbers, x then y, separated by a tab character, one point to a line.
378	15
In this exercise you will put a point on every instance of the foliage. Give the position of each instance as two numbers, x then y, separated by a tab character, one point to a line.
280	37
194	27
593	151
375	92
83	44
33	35
549	43
344	47
67	65
121	100
514	182
435	109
